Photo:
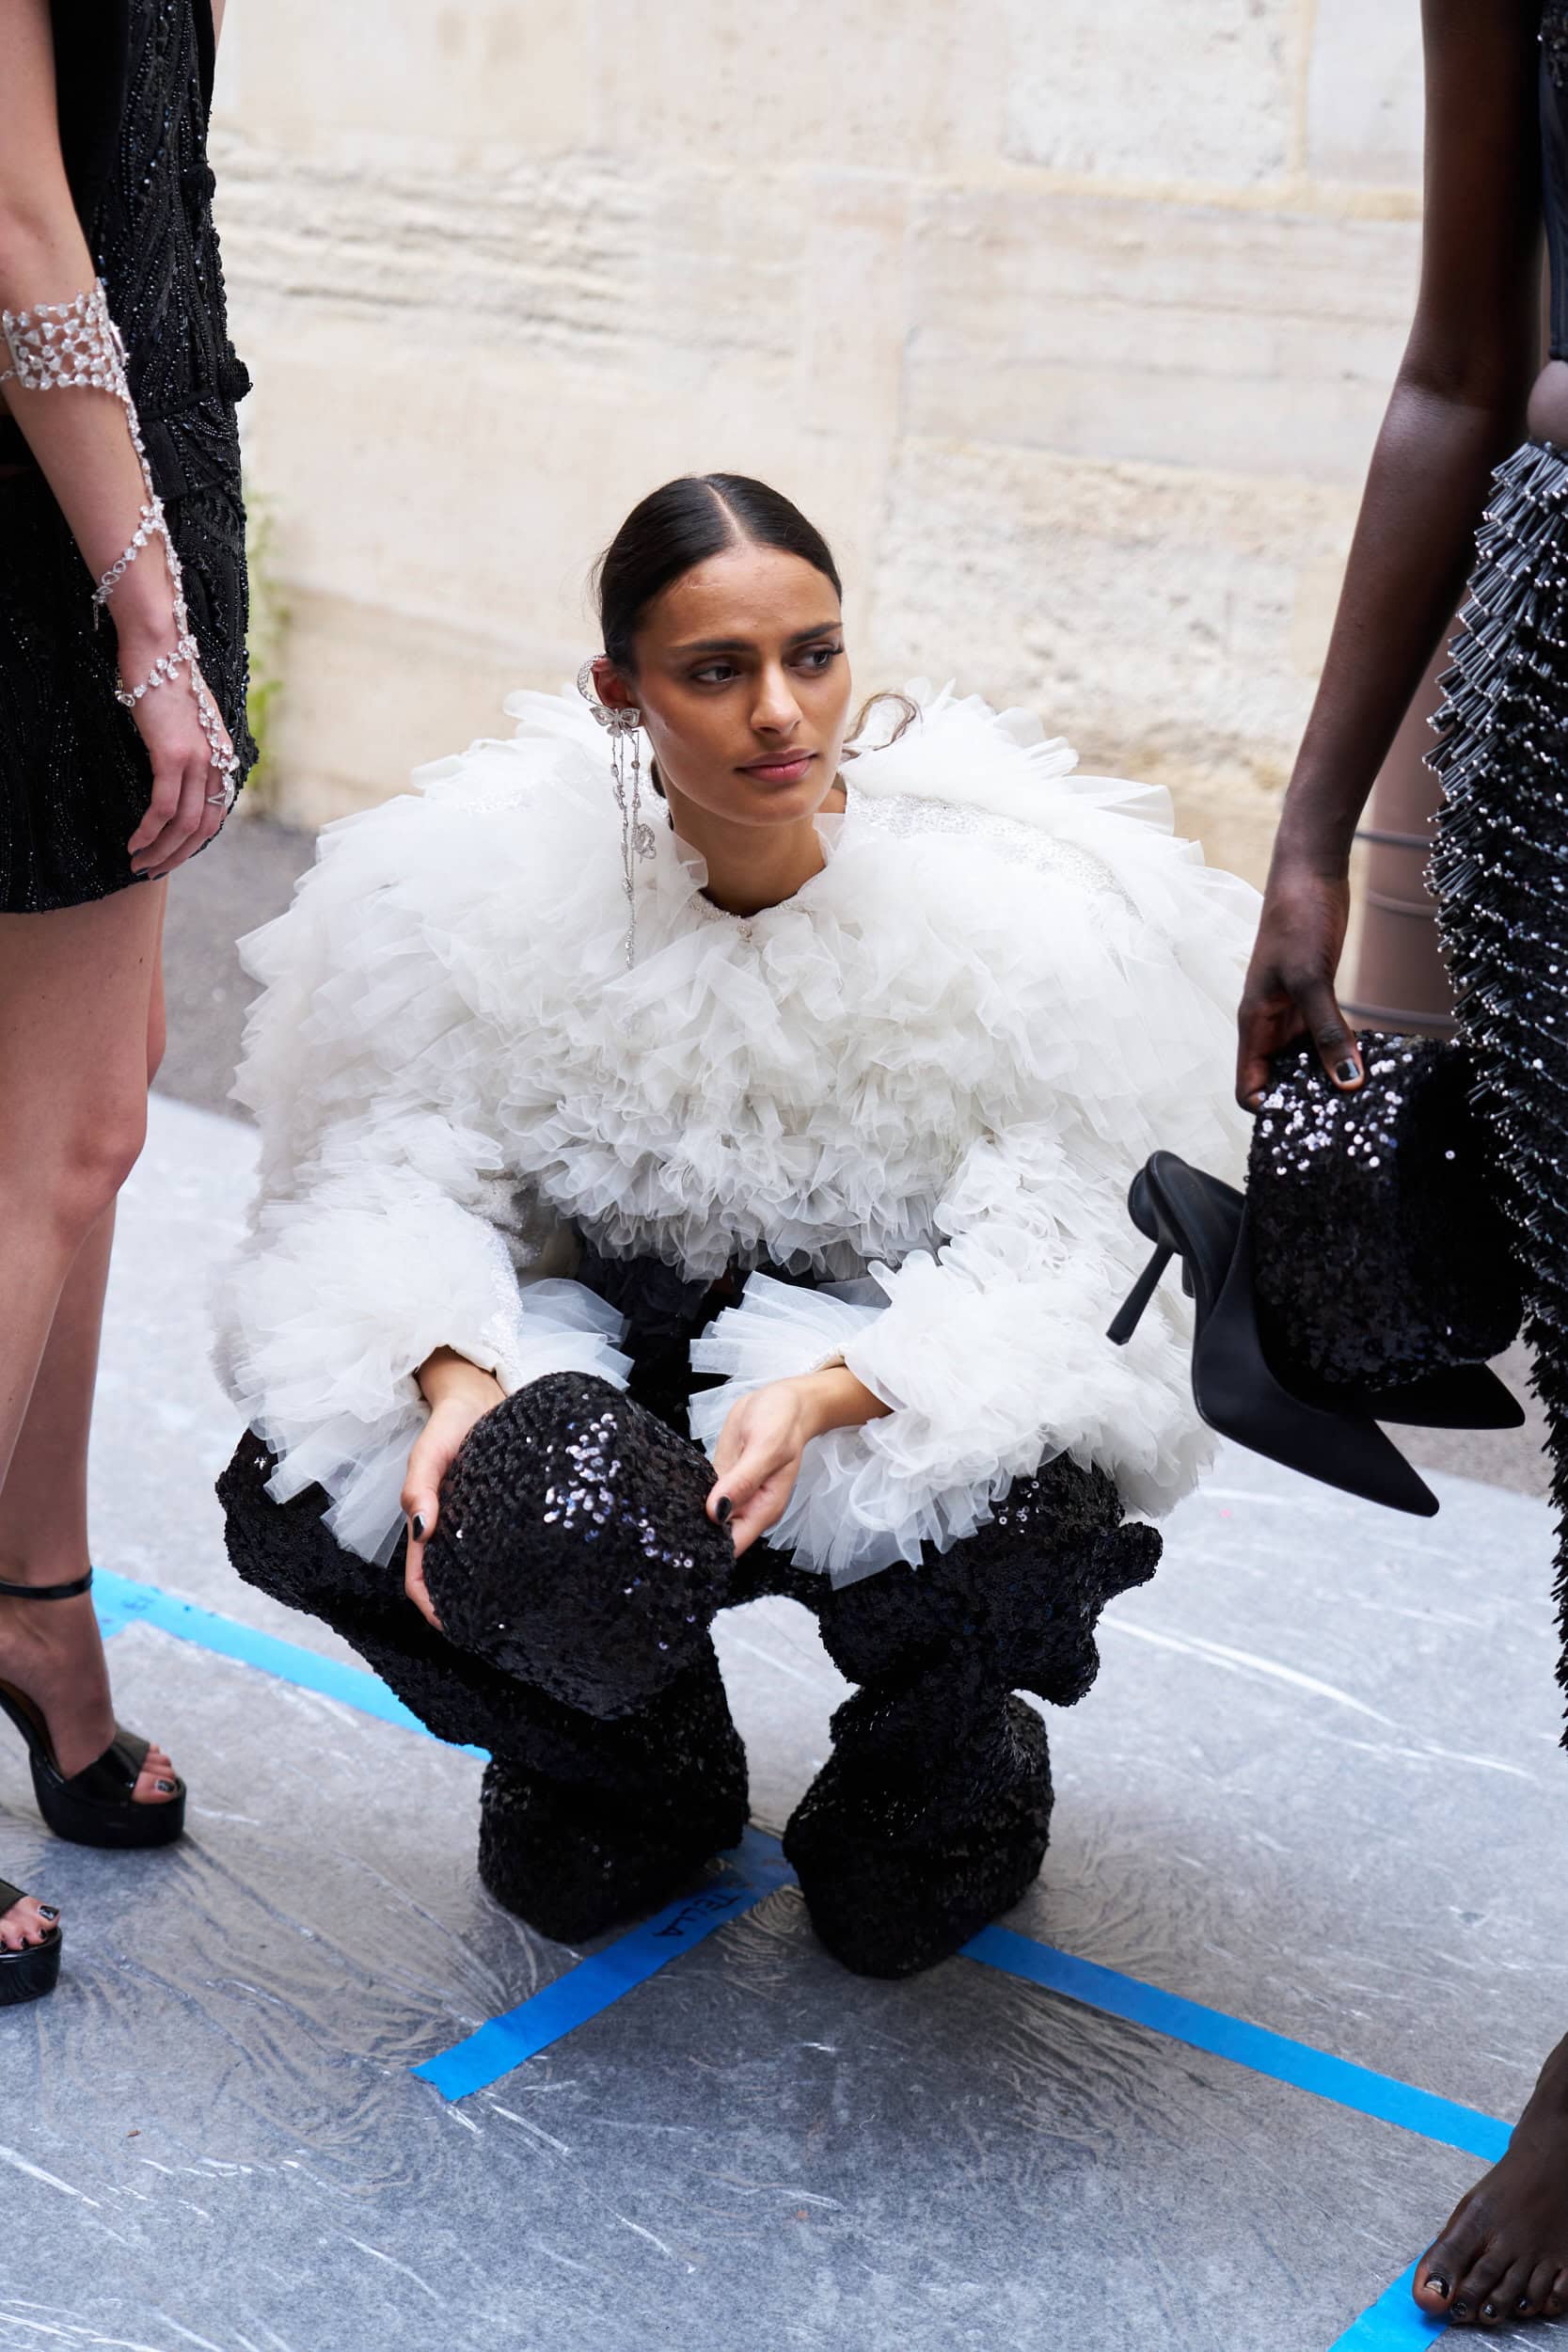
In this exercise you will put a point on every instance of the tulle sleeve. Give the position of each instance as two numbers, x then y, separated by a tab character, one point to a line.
1092	975
387	1225
991	1355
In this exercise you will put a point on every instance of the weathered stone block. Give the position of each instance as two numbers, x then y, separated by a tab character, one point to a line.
1187	91
1154	616
1365	94
916	88
1179	334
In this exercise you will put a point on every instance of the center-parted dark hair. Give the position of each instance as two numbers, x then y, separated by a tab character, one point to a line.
676	528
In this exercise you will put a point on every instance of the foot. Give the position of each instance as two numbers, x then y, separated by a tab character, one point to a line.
52	1653
26	1923
1503	2254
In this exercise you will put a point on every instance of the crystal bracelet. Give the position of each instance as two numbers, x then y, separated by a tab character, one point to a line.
65	346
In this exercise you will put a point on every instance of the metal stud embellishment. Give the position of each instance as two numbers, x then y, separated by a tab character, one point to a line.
1554	42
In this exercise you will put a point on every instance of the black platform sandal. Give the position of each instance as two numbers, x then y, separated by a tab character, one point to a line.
97	1806
29	1974
1187	1212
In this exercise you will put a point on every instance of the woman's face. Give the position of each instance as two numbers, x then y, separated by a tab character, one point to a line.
743	685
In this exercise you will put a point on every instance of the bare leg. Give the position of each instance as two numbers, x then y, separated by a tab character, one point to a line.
82	1006
54	1652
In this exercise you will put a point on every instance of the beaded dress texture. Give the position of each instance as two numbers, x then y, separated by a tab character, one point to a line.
134	89
1500	867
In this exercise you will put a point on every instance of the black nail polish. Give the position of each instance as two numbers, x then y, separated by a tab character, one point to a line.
1438	2286
1347	1073
1523	2304
165	1787
1490	2311
1461	2310
418	1525
723	1508
47	1910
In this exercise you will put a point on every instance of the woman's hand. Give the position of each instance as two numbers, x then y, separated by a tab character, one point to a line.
1290	982
182	815
758	1458
459	1394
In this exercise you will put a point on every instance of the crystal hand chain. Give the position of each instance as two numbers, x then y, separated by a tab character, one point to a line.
61	346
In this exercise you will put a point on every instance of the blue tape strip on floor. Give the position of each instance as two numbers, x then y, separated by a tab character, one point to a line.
1393	2323
596	1984
121	1600
1334	2078
757	1868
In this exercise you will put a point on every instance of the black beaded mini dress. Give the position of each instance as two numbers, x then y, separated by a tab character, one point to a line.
1499	866
134	89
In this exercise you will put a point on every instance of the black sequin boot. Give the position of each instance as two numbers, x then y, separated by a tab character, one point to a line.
617	1828
933	1812
931	1816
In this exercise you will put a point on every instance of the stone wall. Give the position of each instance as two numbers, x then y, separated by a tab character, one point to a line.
1070	320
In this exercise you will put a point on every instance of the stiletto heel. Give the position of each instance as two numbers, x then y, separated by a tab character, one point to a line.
1139	1296
97	1806
29	1974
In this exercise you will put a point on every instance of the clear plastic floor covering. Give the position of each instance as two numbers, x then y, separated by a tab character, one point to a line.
1317	1787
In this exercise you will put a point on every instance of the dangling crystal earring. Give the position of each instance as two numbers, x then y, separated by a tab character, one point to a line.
637	838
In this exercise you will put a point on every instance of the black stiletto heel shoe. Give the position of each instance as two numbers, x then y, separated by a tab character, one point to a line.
29	1974
1185	1212
97	1806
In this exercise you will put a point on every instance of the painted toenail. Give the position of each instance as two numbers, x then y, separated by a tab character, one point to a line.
1439	2286
1523	2304
165	1787
1462	2311
47	1910
1490	2311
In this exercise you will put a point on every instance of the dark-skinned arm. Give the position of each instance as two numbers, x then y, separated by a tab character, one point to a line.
1457	409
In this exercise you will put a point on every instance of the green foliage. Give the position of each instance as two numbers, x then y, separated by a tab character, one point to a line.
269	628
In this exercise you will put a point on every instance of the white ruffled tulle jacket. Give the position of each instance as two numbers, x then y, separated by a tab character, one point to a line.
927	1078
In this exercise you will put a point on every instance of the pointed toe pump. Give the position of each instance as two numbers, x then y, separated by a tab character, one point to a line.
1189	1214
29	1974
97	1806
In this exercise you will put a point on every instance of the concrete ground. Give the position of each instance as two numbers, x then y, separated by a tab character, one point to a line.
1308	1793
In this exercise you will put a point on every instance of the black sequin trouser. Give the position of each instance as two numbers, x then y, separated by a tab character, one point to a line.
931	1815
1499	869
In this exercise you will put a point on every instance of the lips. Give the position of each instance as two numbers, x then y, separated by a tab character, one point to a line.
783	768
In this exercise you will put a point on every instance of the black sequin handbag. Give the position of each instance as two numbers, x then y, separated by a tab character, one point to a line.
1381	1254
